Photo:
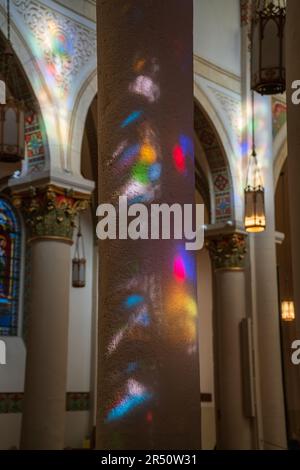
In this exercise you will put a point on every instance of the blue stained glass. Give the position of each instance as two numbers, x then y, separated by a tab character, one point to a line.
10	254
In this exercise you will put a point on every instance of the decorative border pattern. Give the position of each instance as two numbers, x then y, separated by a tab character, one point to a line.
35	142
66	46
218	165
11	403
279	113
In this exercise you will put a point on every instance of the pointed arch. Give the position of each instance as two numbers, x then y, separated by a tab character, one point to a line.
219	178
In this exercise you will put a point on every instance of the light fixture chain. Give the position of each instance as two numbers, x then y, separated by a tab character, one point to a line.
8	19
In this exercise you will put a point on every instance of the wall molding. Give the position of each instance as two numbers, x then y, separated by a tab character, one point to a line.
216	74
11	403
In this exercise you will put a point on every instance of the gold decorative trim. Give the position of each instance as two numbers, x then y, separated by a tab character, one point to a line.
49	238
217	270
228	251
50	211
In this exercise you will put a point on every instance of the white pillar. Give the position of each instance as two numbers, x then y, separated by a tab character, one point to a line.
265	271
234	426
293	135
49	213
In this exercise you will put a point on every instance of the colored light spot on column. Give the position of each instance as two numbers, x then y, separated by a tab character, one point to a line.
133	300
143	319
149	417
136	395
179	159
191	306
140	173
154	172
139	65
130	153
126	406
145	86
179	269
147	154
187	145
132	367
134	116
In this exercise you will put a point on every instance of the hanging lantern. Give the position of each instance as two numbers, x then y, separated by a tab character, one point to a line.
255	216
286	288
287	310
11	131
79	262
12	123
268	47
255	219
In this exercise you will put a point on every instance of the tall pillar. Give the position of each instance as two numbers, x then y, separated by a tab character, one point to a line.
49	214
234	423
293	140
265	276
293	136
148	383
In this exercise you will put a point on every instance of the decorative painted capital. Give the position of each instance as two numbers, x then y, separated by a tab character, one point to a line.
50	211
228	252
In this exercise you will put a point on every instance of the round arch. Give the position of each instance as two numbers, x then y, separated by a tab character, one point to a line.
211	136
82	105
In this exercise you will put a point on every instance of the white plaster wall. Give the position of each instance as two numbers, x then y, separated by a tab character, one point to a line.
12	374
12	380
217	33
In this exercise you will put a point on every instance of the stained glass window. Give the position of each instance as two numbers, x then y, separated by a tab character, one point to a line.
10	254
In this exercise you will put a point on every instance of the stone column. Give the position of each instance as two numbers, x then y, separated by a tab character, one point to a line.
148	393
293	73
265	276
293	140
234	423
49	214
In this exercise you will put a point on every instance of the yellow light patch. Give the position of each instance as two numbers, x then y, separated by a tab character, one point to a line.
147	154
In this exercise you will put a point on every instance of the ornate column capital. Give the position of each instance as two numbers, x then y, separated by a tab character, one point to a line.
49	211
228	251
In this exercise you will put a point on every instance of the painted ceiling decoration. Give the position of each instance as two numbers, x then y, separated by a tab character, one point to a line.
218	165
64	45
279	112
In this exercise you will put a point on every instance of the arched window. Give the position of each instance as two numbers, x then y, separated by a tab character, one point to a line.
10	257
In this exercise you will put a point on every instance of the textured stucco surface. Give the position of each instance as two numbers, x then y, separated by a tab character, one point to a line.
153	40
